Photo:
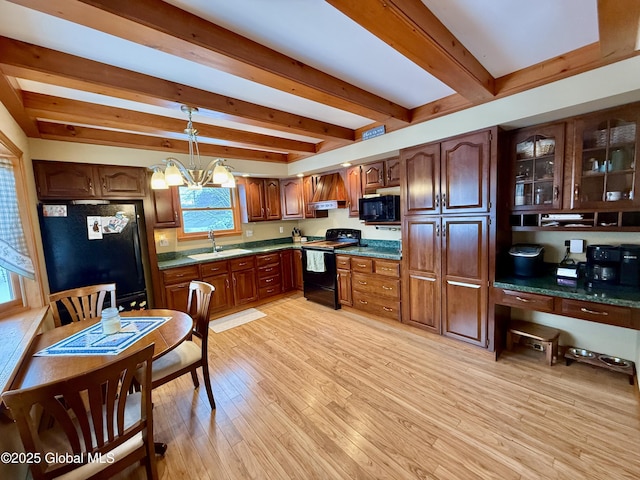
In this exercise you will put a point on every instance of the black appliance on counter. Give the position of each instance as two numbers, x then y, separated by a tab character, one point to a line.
610	265
383	208
603	266
319	272
91	243
527	259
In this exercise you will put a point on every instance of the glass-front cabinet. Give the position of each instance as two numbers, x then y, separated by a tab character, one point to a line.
605	156
537	167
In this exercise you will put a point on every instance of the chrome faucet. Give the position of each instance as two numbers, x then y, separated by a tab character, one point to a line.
212	237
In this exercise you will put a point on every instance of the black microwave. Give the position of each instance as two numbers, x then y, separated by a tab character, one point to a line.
385	208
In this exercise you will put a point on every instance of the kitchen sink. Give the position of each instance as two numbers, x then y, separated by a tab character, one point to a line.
220	254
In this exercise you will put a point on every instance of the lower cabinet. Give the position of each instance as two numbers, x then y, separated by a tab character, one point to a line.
370	284
269	275
218	275
298	282
176	286
244	280
286	270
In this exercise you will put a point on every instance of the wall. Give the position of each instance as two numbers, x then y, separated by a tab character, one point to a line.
618	341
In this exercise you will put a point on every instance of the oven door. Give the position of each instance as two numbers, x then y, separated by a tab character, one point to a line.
321	287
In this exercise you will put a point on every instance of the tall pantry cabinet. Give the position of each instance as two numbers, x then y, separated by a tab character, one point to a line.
448	232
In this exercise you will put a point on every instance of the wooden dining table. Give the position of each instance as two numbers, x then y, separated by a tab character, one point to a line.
38	370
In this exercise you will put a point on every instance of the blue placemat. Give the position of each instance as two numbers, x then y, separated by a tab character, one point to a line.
91	340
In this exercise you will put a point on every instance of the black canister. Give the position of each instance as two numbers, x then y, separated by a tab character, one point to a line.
527	259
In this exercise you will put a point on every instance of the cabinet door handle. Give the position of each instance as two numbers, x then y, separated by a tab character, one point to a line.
364	302
387	309
437	230
523	300
268	280
384	287
576	192
242	264
428	279
362	265
593	312
556	192
268	269
262	211
462	284
104	184
179	275
437	200
90	184
175	214
226	282
444	199
361	282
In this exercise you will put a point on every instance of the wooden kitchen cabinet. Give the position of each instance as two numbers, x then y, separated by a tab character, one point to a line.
176	285
269	274
537	163
605	169
297	270
263	199
292	198
218	275
65	180
354	190
343	266
309	186
165	208
382	174
448	177
75	181
287	270
375	286
244	280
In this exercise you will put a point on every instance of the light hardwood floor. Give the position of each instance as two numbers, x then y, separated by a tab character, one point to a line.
311	393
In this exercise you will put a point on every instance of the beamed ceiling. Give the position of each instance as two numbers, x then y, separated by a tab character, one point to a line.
281	80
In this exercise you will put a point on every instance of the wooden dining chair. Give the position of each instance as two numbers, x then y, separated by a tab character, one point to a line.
82	302
188	356
101	429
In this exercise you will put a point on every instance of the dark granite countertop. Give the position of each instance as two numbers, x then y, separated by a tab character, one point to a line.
373	248
547	285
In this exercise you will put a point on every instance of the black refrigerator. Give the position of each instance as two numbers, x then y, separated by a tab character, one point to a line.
93	243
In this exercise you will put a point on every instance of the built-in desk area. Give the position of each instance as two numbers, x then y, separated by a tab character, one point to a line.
618	306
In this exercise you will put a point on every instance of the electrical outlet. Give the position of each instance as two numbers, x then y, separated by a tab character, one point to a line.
249	233
281	229
164	242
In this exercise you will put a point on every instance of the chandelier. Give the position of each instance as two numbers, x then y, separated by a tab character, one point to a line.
174	172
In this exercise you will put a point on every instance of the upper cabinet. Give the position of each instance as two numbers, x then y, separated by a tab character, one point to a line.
605	160
448	177
292	198
263	199
354	190
385	173
309	186
74	181
537	159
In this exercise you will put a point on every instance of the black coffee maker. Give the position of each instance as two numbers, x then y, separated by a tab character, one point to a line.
603	266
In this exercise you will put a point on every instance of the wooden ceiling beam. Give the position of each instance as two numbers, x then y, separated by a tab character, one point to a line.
24	60
619	27
75	133
167	28
11	98
410	28
47	107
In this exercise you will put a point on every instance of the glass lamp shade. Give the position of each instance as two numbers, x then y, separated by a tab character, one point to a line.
220	174
158	181
230	183
172	175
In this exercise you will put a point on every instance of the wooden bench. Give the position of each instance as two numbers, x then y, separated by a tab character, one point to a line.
547	337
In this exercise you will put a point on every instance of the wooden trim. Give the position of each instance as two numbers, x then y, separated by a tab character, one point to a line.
619	25
182	236
10	97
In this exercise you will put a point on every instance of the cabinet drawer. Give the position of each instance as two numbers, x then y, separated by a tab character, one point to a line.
180	274
378	306
364	265
343	262
376	285
597	312
213	268
242	263
269	281
269	270
387	267
268	258
532	301
269	291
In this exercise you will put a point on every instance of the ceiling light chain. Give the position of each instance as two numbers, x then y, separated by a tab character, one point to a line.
175	173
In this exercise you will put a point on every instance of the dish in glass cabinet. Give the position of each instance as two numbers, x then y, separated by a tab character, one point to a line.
614	361
581	352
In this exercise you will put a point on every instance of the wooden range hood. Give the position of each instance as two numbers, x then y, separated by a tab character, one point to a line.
330	193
